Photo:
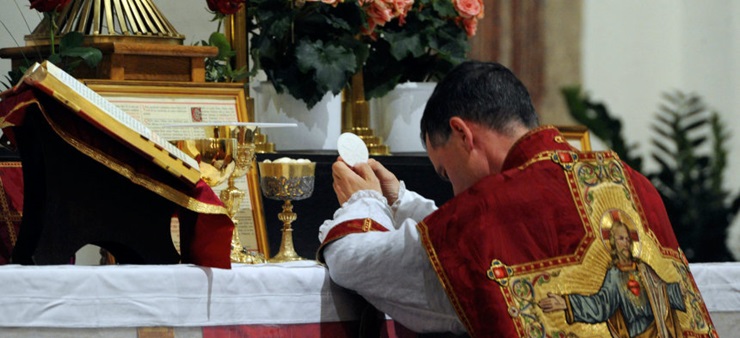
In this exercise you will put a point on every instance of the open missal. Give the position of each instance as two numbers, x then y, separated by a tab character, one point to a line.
111	119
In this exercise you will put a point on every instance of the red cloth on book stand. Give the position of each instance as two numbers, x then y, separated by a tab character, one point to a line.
205	232
11	207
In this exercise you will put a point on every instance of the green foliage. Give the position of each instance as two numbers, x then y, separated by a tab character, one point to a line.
218	68
307	50
72	53
690	175
424	48
310	48
14	75
596	117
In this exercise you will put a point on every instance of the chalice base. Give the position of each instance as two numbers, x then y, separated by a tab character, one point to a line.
287	251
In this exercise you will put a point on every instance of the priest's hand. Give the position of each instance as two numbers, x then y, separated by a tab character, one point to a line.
388	182
348	180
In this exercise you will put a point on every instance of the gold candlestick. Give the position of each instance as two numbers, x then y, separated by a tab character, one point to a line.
233	196
223	159
356	117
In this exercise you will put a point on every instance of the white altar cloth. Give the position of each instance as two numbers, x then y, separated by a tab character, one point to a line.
719	284
170	295
117	301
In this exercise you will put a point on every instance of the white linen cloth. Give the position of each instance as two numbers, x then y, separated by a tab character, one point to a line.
719	284
69	296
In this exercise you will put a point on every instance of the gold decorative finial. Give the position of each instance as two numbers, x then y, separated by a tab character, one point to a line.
108	21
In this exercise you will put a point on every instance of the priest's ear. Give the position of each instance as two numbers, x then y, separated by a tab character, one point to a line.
461	130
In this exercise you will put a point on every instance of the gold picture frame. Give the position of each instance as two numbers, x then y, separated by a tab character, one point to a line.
578	136
157	104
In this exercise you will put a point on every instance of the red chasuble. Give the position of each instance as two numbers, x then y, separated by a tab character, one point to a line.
542	229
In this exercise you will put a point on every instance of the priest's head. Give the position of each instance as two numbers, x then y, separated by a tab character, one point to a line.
474	116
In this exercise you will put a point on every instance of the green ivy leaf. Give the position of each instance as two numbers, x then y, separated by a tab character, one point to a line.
358	47
449	41
444	8
55	59
71	40
331	63
404	43
219	40
339	23
91	56
277	26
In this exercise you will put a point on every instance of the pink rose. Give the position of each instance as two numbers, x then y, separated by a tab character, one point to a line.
379	12
401	7
470	25
48	5
469	8
382	11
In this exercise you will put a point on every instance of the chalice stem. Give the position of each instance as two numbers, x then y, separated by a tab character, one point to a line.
287	251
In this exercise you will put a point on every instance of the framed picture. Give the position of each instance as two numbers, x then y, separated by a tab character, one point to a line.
159	105
577	136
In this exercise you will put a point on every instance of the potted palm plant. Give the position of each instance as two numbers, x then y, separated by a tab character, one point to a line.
689	145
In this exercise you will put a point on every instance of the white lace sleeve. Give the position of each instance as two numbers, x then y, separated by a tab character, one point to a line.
411	205
362	204
390	269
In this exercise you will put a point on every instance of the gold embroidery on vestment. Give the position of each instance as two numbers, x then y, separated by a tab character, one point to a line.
603	196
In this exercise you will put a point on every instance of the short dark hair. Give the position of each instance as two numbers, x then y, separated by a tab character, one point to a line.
482	92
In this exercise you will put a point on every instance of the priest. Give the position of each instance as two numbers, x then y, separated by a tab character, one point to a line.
522	224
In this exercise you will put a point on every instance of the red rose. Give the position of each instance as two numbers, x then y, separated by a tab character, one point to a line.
48	5
225	7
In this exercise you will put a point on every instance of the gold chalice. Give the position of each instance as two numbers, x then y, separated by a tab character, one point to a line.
221	160
287	181
214	155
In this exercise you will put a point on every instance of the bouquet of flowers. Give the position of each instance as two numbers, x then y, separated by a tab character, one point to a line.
432	38
310	47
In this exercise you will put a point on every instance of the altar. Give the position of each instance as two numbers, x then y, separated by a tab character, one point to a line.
266	300
294	299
